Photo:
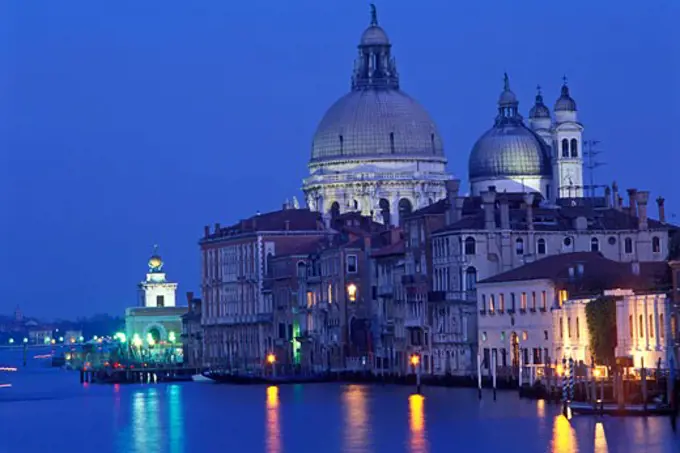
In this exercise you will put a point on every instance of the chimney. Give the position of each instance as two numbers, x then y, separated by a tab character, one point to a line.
642	197
505	213
206	231
607	197
217	228
529	201
571	272
190	297
367	243
287	223
579	269
488	202
452	188
662	209
616	199
619	205
632	205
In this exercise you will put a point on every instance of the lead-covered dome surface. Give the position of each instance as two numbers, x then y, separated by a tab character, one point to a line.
376	123
510	150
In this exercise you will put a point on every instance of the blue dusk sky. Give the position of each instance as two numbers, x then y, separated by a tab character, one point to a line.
131	123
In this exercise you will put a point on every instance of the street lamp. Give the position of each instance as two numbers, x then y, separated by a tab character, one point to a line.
271	360
415	362
25	340
171	337
11	341
352	292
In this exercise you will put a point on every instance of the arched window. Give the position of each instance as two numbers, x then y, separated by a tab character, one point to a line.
519	246
470	278
355	205
642	327
335	209
628	245
385	211
301	269
574	147
470	246
540	247
656	244
662	327
565	147
405	208
594	245
630	325
651	326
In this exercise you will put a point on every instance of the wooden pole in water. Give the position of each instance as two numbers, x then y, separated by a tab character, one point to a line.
493	375
643	377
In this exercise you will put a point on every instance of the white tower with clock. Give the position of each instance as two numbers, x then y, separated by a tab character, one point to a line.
567	148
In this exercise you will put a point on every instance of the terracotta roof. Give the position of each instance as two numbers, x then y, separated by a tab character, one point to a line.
598	273
282	220
391	249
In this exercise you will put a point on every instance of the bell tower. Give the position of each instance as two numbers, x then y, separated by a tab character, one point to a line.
567	147
156	291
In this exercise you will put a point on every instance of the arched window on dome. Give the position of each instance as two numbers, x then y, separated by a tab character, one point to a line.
335	209
405	207
565	147
574	147
385	211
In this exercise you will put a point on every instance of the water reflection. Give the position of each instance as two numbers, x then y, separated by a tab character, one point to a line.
564	438
273	426
540	408
145	426
418	438
600	439
356	419
176	435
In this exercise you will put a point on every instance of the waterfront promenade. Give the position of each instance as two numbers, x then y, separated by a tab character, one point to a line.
48	410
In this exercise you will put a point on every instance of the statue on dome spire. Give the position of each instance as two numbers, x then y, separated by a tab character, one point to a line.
155	262
506	82
374	15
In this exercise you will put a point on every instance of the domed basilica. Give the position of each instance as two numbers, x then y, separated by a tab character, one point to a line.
378	152
376	149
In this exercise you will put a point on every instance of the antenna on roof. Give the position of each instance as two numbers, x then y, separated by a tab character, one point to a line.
590	152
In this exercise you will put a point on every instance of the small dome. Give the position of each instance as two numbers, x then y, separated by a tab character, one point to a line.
539	110
155	262
376	123
374	35
507	97
565	101
509	150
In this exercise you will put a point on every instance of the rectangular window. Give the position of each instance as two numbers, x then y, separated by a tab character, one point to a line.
352	266
533	300
578	329
651	326
569	327
523	302
483	307
544	301
160	301
630	325
487	358
662	328
512	302
501	303
563	296
561	327
642	327
492	304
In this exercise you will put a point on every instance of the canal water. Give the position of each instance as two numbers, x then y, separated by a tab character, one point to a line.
47	410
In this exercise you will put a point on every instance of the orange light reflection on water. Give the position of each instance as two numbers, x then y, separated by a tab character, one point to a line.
418	439
564	439
600	439
356	419
273	427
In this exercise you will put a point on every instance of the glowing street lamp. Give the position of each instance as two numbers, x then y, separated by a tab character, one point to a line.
120	336
11	341
271	358
352	292
25	340
61	339
150	340
415	362
81	339
136	340
171	337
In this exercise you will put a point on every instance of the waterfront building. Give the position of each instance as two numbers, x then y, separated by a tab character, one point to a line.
192	333
376	151
153	327
237	318
536	313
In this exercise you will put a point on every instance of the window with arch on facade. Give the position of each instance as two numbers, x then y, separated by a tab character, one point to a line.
594	245
470	279
656	244
574	147
642	326
470	246
651	326
541	248
565	147
628	246
519	246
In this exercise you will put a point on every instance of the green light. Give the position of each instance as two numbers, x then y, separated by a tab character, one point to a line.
11	341
136	340
150	340
296	344
47	340
121	337
81	339
171	337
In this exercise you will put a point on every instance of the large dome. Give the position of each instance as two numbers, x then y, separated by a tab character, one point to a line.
376	123
509	150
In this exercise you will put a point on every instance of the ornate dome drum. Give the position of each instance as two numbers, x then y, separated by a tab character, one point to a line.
376	150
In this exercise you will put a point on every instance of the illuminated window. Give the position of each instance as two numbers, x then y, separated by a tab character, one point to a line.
501	302
651	326
563	296
544	301
578	329
492	304
310	299
330	293
662	328
523	302
561	327
525	335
